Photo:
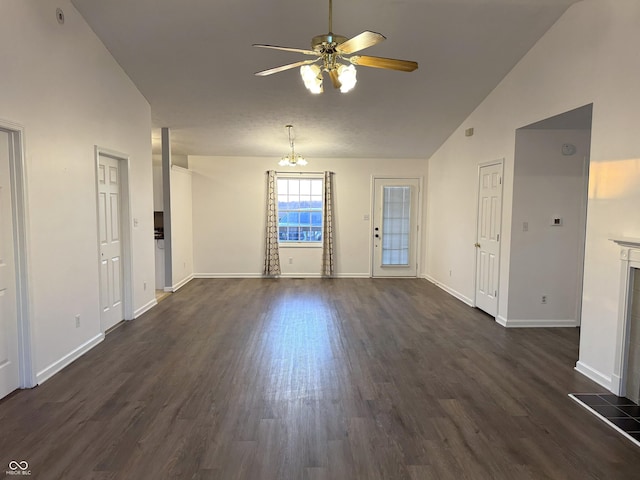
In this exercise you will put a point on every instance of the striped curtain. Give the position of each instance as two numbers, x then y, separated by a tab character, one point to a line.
328	257
271	252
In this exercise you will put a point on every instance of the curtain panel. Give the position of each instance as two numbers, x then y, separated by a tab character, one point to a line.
271	253
328	255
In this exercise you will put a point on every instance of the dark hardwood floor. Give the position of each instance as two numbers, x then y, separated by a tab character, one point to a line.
316	379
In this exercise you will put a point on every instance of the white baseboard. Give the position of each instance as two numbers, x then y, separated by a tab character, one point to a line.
449	290
616	385
287	275
58	365
145	308
300	275
228	275
319	275
593	374
542	323
180	284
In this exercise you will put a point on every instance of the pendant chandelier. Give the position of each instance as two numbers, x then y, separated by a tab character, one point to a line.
292	158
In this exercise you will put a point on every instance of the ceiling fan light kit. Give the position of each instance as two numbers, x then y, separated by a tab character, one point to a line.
334	55
312	78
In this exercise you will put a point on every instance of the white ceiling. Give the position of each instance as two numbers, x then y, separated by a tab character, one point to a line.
193	61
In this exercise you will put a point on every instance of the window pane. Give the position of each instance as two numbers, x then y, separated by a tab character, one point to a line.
300	209
316	234
395	225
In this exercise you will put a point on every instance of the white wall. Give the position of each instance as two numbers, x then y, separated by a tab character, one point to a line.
589	56
158	194
158	206
229	213
181	227
545	259
61	84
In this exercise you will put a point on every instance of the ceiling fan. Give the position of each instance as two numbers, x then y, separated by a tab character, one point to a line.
331	50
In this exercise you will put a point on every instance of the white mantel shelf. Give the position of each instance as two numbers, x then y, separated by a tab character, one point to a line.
629	242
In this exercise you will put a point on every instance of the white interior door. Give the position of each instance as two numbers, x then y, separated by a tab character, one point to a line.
110	234
488	237
9	366
395	227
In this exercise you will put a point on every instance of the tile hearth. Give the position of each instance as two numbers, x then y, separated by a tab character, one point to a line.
619	413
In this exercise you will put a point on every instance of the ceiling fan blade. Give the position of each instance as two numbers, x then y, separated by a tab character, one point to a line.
364	40
333	74
381	62
286	49
282	68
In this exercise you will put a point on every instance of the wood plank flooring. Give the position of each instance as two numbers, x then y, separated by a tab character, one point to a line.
316	379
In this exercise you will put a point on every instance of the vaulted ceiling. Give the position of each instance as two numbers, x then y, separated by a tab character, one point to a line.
193	61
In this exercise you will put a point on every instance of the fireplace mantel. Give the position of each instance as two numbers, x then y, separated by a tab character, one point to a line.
629	260
628	242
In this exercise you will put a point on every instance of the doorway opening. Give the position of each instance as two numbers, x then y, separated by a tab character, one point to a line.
548	221
16	364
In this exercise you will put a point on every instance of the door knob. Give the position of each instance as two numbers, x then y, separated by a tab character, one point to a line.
477	245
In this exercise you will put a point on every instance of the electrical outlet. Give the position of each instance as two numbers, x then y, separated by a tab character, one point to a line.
77	321
290	260
144	285
543	299
449	272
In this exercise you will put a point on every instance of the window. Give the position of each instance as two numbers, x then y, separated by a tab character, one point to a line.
300	210
395	225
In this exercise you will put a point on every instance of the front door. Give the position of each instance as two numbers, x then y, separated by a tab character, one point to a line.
488	237
395	227
9	367
110	234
